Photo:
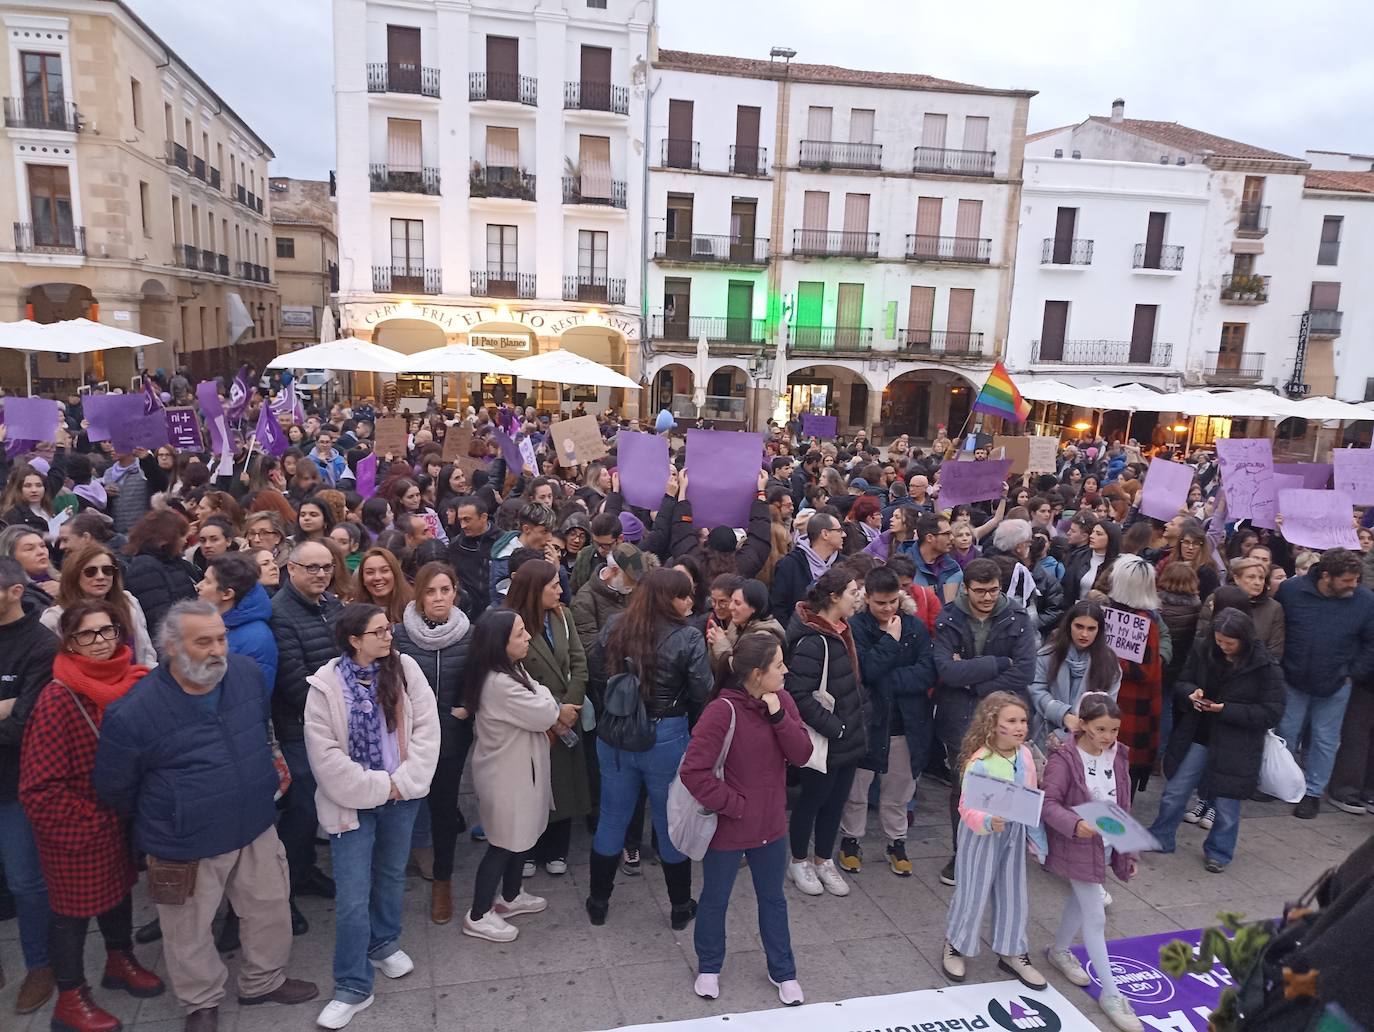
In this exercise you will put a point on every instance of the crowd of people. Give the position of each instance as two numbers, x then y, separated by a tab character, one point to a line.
206	669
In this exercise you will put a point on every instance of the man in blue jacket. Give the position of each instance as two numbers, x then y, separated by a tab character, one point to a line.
231	585
1328	647
897	667
185	756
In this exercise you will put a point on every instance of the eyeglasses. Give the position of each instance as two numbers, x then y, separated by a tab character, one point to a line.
381	633
109	632
983	591
315	569
98	571
261	532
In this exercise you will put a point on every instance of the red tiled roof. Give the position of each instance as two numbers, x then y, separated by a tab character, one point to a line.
1329	179
1194	141
1032	137
720	64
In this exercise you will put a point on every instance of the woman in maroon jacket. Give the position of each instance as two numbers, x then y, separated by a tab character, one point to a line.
751	806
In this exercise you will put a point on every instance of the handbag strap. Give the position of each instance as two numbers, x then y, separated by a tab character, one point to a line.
725	746
823	689
82	710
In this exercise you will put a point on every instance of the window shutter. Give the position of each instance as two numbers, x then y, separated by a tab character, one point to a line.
958	319
920	315
818	123
975	133
503	147
861	125
933	130
403	144
595	158
856	216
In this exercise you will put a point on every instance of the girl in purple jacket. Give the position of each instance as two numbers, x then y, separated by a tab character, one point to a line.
750	802
1090	767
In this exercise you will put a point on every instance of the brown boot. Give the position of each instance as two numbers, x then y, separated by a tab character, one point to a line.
441	901
38	985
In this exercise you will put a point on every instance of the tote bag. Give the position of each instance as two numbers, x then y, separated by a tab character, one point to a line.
820	745
691	826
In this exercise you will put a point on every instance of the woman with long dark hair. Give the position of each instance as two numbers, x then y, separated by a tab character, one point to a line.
376	516
749	614
372	735
652	641
382	583
314	520
25	499
89	573
1076	660
157	575
1085	565
514	716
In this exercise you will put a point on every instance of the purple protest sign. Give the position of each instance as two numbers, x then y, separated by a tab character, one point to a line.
1166	489
1318	519
31	419
1353	469
139	430
207	393
183	429
819	426
1315	475
1162	1001
366	482
103	412
642	462
964	482
1265	517
270	436
1247	470
510	451
723	476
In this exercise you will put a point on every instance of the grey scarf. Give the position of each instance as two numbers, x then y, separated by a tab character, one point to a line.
428	636
1077	663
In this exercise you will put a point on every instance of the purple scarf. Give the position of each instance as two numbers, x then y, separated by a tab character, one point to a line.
364	714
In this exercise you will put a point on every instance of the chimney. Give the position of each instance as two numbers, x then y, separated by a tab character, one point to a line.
1118	110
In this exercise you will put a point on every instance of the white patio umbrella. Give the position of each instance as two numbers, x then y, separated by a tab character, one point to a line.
349	355
458	358
569	368
69	337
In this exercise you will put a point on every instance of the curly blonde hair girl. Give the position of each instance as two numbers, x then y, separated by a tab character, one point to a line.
982	729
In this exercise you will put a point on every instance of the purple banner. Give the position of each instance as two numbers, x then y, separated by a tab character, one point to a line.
271	437
140	430
510	451
1166	489
207	393
238	394
1318	519
819	426
1316	476
1353	469
1160	1001
183	429
964	482
104	412
643	467
722	476
366	482
1247	473
30	419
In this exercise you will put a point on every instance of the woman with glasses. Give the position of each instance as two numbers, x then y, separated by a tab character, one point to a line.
159	468
382	583
265	530
90	573
372	734
82	846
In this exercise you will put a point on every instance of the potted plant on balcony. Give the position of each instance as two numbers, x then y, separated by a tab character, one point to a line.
1246	287
477	182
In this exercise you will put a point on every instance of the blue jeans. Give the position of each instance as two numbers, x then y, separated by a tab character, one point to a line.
370	876
24	876
422	837
1324	715
1220	844
622	774
296	823
767	865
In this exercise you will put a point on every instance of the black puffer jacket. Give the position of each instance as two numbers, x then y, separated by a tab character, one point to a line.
808	640
1252	691
27	650
159	582
681	677
1006	663
443	669
305	642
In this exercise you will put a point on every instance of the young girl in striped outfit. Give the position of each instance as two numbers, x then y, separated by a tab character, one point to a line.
991	859
1089	767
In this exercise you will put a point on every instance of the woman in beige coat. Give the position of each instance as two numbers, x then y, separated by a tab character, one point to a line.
372	734
515	717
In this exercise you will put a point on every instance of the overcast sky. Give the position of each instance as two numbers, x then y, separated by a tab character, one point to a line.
1287	76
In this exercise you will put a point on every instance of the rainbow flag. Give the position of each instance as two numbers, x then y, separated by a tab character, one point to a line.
999	397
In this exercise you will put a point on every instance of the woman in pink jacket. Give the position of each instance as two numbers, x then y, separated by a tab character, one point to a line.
750	802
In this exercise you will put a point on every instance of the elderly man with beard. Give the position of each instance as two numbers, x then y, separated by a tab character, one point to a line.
185	756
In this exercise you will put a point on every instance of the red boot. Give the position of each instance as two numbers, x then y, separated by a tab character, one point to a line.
77	1012
122	971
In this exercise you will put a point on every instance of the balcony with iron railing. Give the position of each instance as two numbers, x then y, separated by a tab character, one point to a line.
1253	221
1324	322
702	247
402	78
1066	252
923	248
215	181
1167	258
596	96
186	256
42	113
385	179
584	190
943	344
207	261
748	161
827	154
1101	353
499	282
241	194
1240	288
594	287
508	86
40	238
199	169
407	278
1233	367
501	181
257	206
717	330
950	162
829	243
252	202
254	273
176	155
832	340
680	153
222	264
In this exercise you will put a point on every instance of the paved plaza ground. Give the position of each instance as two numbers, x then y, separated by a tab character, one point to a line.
562	975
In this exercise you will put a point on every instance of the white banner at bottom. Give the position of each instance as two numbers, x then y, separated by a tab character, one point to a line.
993	1006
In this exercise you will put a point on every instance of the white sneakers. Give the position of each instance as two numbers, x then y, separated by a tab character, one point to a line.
337	1014
397	965
525	903
707	986
832	879
1067	965
803	875
493	927
1119	1012
556	867
529	870
789	992
1106	897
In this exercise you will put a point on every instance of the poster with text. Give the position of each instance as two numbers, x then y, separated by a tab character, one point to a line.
1247	474
1318	519
1160	1001
577	441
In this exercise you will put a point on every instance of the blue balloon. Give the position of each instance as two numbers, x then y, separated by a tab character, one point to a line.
665	421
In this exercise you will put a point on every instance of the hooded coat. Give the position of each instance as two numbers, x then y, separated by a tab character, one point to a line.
250	633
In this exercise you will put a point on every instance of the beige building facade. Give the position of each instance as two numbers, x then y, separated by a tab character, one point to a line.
306	250
138	198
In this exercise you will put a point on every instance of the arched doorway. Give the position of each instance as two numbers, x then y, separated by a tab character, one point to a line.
919	401
833	390
603	345
672	390
58	302
406	336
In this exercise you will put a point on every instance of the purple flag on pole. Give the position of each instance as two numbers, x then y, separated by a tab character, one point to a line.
643	467
207	393
272	440
366	482
510	451
722	476
152	400
238	395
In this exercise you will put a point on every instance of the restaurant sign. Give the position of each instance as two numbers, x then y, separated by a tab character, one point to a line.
462	319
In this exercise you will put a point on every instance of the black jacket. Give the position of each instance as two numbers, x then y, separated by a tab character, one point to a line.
1253	693
682	672
159	583
1075	567
791	581
749	557
898	676
443	669
471	559
1050	605
847	725
1007	663
305	642
23	516
27	650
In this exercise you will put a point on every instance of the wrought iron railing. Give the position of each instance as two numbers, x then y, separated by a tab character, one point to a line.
402	78
748	161
596	96
594	287
1058	251
923	248
948	161
716	329
702	247
944	343
407	278
677	153
582	190
498	282
1101	353
385	179
501	181
834	243
827	154
42	113
521	89
38	238
1232	366
1244	288
829	338
1169	258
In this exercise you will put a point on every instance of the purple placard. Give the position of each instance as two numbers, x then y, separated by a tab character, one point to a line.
183	429
726	478
271	437
1316	476
510	451
819	426
31	419
964	482
1247	470
1163	1002
1166	489
643	467
104	412
1353	469
207	393
366	481
140	430
1318	519
1278	482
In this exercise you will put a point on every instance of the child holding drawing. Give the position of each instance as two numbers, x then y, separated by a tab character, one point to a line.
991	859
1090	767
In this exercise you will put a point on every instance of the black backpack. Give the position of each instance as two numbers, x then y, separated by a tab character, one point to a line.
623	723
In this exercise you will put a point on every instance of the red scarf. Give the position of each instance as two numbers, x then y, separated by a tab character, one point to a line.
100	680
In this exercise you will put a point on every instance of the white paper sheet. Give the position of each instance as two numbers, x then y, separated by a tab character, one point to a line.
1118	828
1005	799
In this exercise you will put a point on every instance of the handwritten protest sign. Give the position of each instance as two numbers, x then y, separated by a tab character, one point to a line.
577	441
457	442
390	435
1028	454
643	466
819	426
1005	799
527	454
1318	519
1354	473
1247	472
1127	633
1166	488
964	482
722	476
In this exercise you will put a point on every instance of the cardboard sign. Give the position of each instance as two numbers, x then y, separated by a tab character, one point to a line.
457	443
1127	633
390	435
577	441
1017	449
1028	454
1318	519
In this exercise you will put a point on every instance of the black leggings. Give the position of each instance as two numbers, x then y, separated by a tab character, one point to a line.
443	803
67	941
819	807
500	868
553	844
